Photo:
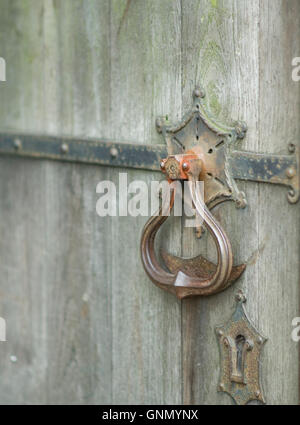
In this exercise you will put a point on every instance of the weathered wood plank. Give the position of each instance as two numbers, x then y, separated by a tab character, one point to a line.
57	292
145	69
276	301
83	321
67	78
225	45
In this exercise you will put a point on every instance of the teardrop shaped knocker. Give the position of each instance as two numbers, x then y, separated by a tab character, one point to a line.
198	150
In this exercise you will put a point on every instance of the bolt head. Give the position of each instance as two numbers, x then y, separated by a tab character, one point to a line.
64	148
198	92
292	147
290	172
113	152
17	144
185	166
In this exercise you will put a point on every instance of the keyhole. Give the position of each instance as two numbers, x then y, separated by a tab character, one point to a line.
239	343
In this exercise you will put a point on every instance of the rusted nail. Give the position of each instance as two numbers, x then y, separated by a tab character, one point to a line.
64	148
291	192
240	297
241	129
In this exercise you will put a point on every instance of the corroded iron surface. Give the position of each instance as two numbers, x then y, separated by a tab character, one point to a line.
212	141
240	346
276	169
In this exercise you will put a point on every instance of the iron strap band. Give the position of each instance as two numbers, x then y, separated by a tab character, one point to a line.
244	165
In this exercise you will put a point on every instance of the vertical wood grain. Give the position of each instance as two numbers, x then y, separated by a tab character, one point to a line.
241	52
145	82
278	290
103	332
84	323
56	281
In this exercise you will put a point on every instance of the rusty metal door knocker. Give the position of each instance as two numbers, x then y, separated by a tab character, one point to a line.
200	148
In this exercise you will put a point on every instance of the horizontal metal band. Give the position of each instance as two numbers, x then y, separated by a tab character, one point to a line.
243	165
277	169
83	150
262	167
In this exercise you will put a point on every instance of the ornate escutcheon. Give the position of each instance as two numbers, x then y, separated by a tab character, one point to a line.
240	346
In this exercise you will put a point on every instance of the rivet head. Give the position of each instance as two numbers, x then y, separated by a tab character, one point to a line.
185	166
259	340
113	152
17	144
172	168
240	297
249	345
290	172
292	147
64	148
198	92
241	129
159	124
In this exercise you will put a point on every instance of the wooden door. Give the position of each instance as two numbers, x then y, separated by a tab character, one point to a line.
84	323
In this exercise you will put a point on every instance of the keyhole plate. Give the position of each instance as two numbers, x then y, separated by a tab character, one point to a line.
240	374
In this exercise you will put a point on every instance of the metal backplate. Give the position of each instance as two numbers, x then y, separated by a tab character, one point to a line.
217	145
200	133
240	346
